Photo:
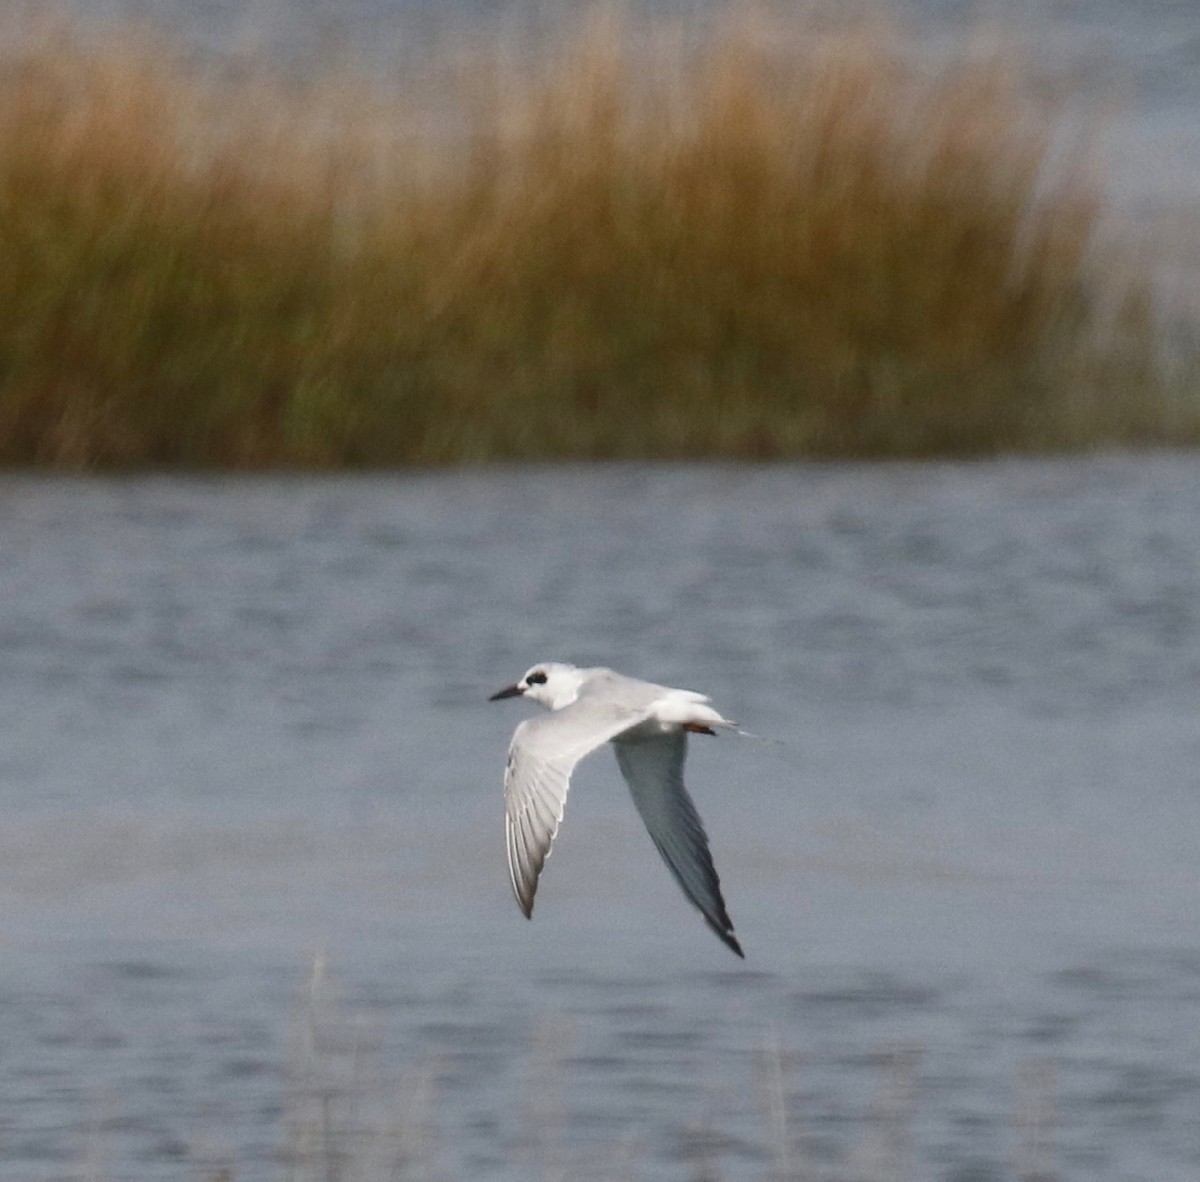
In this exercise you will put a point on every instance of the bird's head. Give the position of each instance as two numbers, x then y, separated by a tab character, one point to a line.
552	683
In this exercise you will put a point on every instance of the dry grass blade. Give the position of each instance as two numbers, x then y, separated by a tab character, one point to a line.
628	241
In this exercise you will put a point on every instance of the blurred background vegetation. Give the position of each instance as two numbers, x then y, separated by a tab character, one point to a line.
633	240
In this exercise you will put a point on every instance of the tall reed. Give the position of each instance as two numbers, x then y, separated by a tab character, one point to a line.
629	241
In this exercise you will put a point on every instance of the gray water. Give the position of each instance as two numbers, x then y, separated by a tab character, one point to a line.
244	732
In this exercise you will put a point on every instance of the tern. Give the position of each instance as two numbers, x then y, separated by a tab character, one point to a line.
648	726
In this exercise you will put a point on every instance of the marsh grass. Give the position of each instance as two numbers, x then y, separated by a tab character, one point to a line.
347	1119
626	241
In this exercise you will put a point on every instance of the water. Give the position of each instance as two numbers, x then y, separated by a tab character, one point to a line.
244	731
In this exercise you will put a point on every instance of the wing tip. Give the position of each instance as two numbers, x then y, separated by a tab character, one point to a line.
523	888
729	939
523	894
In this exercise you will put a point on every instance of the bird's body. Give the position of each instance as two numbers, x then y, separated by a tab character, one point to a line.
648	726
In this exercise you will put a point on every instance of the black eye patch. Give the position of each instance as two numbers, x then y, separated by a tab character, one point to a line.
538	678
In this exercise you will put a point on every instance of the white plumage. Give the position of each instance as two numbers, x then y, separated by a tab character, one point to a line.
648	726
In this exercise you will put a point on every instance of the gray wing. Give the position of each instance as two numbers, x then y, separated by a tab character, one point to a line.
541	758
653	769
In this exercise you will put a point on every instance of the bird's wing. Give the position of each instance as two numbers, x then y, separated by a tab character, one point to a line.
541	758
653	769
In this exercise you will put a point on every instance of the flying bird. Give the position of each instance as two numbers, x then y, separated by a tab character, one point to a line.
648	726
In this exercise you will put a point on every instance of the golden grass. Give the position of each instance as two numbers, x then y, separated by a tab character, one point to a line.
629	242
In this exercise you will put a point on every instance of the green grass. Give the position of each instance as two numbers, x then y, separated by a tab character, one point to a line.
627	243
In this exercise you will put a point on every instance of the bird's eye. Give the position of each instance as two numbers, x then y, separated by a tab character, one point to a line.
538	678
